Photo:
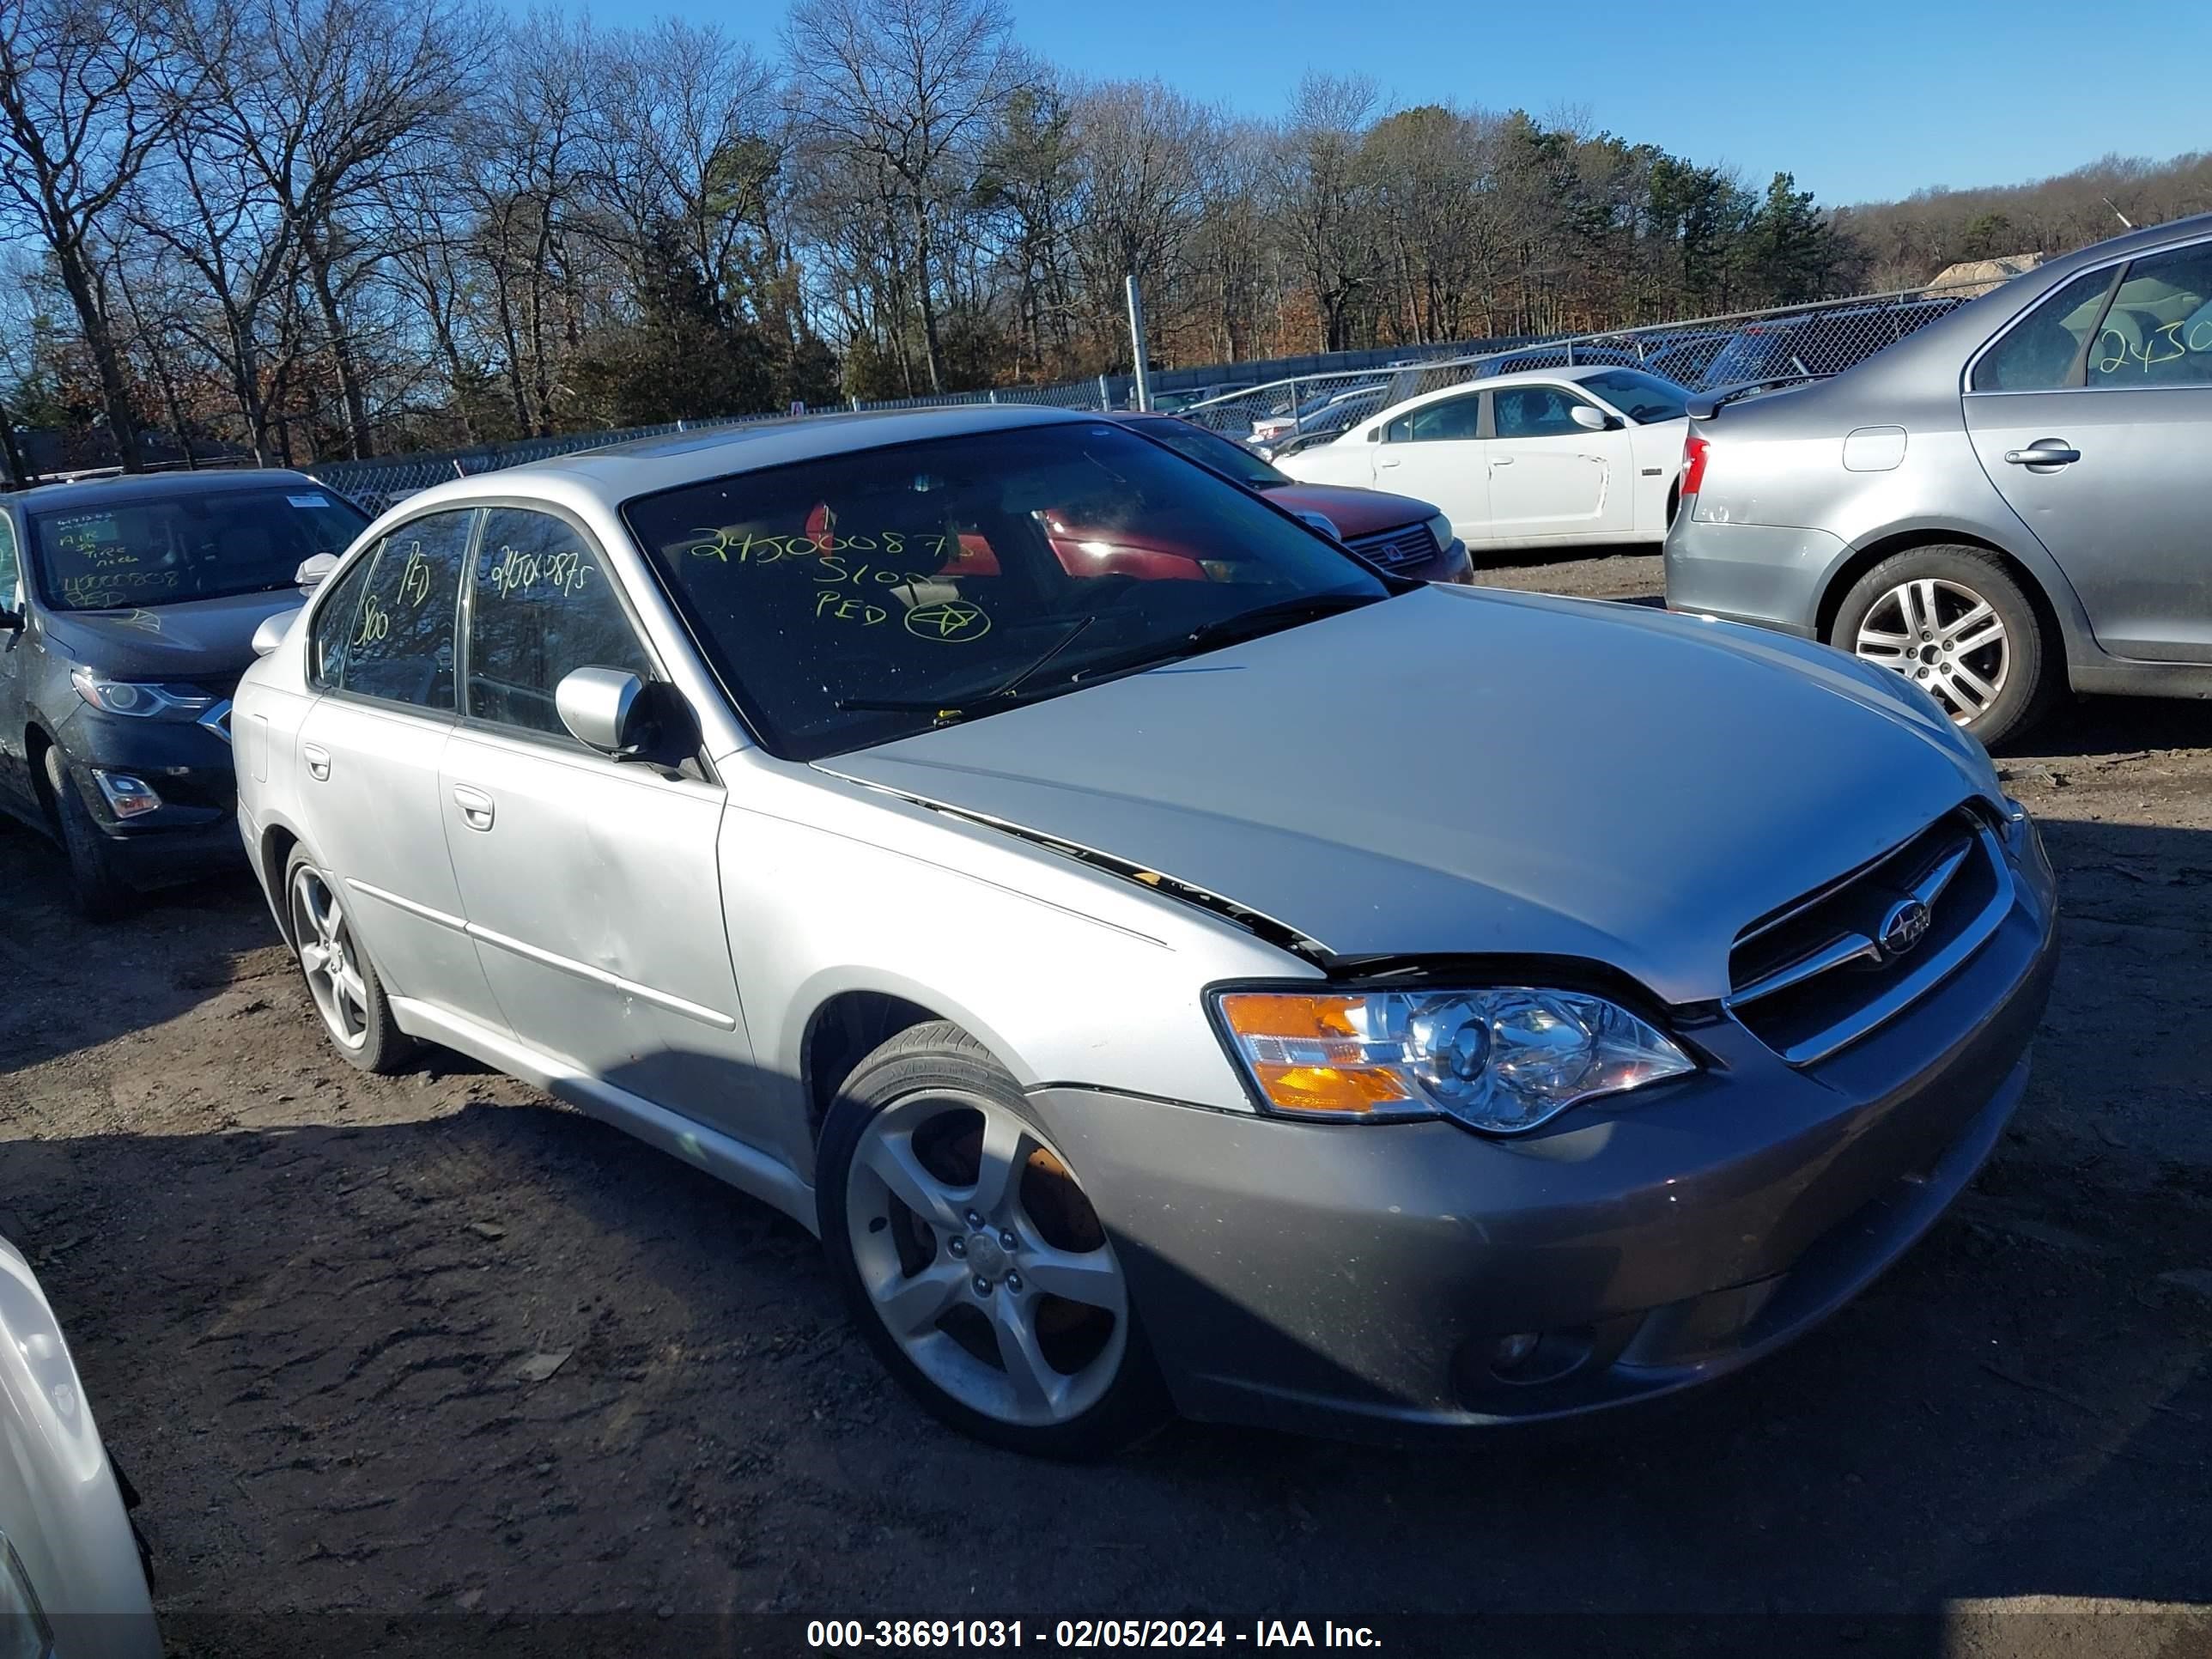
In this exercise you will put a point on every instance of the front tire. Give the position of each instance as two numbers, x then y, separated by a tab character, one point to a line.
1953	621
102	895
347	994
971	1258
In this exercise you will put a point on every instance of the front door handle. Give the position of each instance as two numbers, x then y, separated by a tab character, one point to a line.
1501	460
317	759
476	806
1386	460
2044	452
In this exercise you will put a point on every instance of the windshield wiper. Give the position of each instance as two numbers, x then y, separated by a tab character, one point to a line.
1005	694
1283	613
1227	630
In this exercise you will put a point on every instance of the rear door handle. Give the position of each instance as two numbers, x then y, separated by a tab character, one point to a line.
476	806
2045	451
317	759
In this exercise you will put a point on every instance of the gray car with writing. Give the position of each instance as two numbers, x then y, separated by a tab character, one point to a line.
1172	963
2011	501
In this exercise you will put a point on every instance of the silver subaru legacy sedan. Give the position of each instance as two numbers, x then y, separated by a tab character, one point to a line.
1172	963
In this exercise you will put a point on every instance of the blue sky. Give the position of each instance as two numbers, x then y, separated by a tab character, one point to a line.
1861	101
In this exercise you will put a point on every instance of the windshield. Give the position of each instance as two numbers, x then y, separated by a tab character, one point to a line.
936	574
1212	449
1643	398
154	551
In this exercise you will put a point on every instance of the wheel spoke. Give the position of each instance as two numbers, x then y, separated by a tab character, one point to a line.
333	921
1992	634
355	989
1037	1385
314	958
912	1306
998	1164
1878	639
891	1159
1089	1277
1974	618
1923	592
1979	691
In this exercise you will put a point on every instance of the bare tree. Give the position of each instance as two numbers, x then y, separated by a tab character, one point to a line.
304	109
81	107
1321	189
914	84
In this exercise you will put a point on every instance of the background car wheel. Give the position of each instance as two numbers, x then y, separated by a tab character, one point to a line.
1955	622
101	894
340	978
972	1259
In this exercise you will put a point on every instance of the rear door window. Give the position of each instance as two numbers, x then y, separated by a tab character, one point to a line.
2159	331
1447	420
401	646
2044	350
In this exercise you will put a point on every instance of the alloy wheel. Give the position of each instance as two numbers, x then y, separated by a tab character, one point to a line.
1944	637
984	1260
330	958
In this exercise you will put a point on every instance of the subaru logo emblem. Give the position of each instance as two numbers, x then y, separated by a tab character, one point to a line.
1905	927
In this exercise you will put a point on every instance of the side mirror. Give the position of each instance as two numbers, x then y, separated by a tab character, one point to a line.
11	621
613	711
311	572
273	627
1588	419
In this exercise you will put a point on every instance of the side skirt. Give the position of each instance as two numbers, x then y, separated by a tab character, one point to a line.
746	1168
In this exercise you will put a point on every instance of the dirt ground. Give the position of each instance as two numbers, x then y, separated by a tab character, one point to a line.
306	1305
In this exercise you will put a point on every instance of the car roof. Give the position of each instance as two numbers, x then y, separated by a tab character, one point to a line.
619	473
157	486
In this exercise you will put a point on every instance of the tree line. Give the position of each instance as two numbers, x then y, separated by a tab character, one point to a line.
328	229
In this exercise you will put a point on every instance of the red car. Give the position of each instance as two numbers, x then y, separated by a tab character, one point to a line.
1406	538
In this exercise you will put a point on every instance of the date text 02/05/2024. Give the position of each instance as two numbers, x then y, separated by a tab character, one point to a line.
948	1634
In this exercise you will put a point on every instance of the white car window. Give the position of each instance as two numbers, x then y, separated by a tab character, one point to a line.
1446	420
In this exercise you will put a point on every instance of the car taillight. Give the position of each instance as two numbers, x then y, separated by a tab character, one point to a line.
1694	452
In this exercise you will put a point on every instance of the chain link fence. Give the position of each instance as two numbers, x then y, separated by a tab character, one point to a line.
1791	343
1778	346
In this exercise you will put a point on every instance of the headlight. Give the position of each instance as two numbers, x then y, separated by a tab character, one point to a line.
1500	1059
1440	527
139	700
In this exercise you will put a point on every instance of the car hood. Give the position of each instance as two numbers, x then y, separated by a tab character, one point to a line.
209	640
1464	771
1355	512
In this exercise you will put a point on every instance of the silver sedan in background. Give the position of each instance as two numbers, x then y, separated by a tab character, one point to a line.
1170	962
2013	500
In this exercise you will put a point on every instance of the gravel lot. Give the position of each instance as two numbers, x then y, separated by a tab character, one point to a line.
306	1305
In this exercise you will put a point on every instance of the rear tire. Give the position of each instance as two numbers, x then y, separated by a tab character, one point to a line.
1953	621
348	992
102	895
946	1213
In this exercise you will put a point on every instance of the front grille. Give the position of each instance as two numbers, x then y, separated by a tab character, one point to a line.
1413	544
1826	969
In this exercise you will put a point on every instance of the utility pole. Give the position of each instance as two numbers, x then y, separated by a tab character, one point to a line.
1137	345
